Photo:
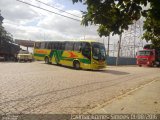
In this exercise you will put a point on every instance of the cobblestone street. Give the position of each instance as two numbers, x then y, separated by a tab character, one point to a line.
40	88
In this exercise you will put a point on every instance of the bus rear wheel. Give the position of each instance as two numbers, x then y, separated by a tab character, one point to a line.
46	60
76	65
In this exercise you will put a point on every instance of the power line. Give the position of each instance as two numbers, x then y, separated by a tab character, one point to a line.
57	8
48	10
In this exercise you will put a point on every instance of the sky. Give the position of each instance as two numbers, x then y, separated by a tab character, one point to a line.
29	23
26	22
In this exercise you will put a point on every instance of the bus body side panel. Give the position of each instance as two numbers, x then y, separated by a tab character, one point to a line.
67	58
56	56
98	64
40	54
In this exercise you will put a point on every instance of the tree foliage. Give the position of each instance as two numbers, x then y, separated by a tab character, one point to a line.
114	16
4	35
152	24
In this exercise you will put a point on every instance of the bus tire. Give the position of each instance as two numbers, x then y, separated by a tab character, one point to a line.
46	60
76	65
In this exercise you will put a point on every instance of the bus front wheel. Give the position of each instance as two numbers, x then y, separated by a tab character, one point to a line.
76	65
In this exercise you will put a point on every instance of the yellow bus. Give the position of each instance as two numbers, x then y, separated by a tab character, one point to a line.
78	54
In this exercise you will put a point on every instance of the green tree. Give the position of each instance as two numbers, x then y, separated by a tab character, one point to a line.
152	24
114	16
4	35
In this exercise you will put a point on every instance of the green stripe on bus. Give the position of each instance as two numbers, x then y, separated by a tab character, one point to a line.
39	55
86	61
67	59
58	55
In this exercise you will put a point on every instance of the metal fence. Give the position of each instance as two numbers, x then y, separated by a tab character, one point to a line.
122	61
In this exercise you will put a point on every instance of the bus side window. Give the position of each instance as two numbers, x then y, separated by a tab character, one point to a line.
61	45
52	45
37	45
77	46
69	46
56	46
86	50
43	45
46	45
49	45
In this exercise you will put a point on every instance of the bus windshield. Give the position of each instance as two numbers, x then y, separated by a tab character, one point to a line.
98	51
145	53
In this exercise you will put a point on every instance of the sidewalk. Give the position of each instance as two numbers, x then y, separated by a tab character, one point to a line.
143	100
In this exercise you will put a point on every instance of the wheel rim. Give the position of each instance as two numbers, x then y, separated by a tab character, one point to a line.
77	65
46	60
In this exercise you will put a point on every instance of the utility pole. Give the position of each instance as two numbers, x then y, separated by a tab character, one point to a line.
108	45
119	47
103	40
134	39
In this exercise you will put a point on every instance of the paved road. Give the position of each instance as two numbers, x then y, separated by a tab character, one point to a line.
144	100
40	88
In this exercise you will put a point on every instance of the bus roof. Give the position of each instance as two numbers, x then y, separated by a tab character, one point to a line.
67	41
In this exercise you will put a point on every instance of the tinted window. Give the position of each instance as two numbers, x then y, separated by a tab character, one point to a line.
49	45
56	45
69	46
98	51
86	50
37	45
52	45
77	46
61	45
146	53
42	45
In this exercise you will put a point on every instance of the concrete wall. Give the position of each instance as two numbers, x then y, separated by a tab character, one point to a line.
122	61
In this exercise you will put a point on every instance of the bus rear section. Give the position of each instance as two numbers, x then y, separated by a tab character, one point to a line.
79	54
